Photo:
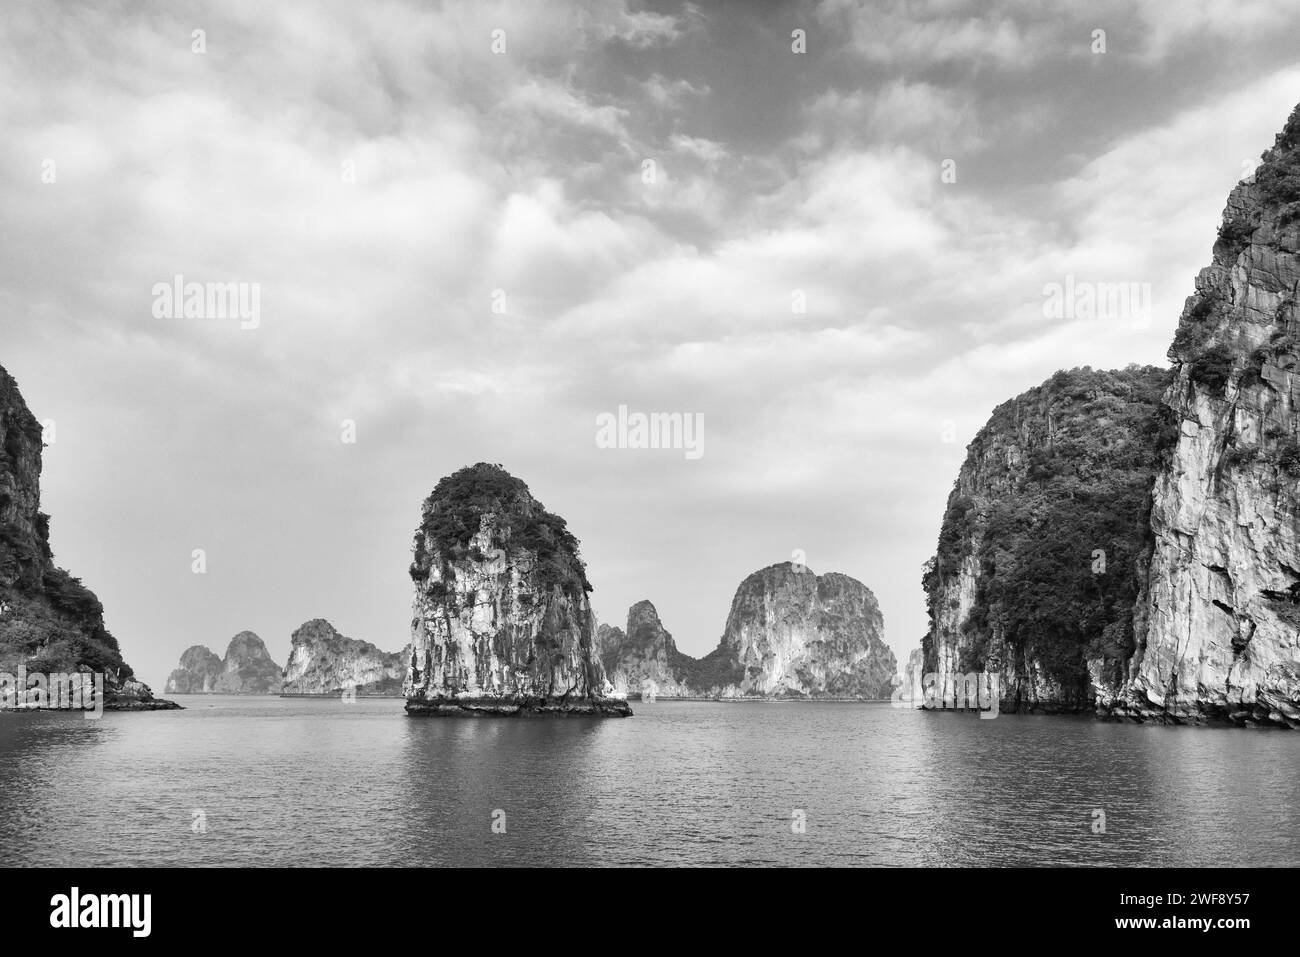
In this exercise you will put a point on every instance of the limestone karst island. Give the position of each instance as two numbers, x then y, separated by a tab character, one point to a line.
501	623
1128	542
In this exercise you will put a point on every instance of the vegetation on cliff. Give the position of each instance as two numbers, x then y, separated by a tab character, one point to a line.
1053	503
49	621
1278	174
454	511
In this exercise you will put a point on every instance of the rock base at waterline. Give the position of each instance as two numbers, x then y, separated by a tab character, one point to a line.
509	707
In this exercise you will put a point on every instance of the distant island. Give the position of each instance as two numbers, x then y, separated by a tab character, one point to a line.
247	668
324	662
321	662
790	634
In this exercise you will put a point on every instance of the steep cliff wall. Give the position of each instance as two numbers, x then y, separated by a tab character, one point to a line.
49	621
790	633
1220	618
322	661
501	622
1044	544
246	669
24	529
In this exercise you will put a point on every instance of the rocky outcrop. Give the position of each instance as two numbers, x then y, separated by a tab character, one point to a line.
1195	612
644	659
790	634
324	662
501	622
197	673
246	669
793	633
1220	619
50	623
1045	541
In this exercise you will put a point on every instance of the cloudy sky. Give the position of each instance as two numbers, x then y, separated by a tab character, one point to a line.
459	250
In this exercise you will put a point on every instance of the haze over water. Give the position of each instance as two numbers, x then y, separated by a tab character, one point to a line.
321	782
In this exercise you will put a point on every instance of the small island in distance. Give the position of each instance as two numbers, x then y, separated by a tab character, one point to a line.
322	663
790	635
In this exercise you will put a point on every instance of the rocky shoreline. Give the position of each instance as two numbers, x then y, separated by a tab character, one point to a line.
518	707
758	699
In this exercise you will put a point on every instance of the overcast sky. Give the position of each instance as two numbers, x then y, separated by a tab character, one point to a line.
379	171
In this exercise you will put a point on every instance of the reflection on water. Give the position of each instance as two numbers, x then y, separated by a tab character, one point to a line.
315	781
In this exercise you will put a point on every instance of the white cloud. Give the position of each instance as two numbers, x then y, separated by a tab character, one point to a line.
641	28
963	33
551	101
705	150
668	93
1221	22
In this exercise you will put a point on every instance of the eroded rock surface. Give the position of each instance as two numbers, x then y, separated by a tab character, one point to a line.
322	661
1221	616
501	622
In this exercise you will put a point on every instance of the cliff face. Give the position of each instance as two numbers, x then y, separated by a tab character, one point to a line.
24	530
1220	617
49	621
322	661
790	633
501	623
1045	541
246	669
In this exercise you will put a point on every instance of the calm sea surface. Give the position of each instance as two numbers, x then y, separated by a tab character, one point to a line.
318	781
